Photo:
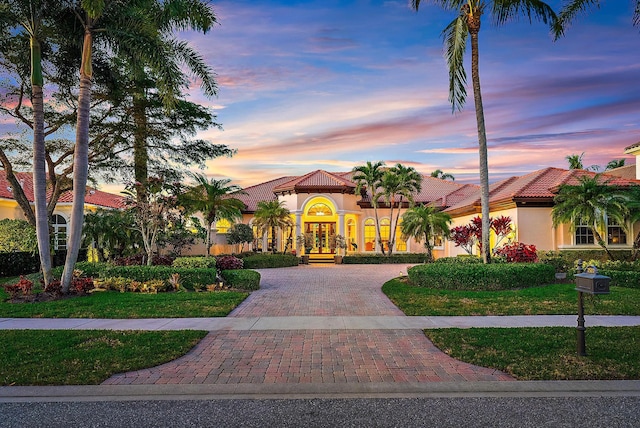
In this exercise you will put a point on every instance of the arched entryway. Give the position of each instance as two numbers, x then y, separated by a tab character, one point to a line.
319	223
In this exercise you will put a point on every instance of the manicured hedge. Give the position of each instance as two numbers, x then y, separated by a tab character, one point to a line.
377	259
463	276
22	263
619	278
195	262
261	261
242	278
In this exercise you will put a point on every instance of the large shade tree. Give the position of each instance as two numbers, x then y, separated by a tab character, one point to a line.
424	223
464	26
213	199
590	203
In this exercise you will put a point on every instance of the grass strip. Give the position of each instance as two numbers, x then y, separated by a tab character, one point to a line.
111	304
69	357
549	353
548	300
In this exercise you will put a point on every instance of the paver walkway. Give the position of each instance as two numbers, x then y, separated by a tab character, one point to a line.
324	355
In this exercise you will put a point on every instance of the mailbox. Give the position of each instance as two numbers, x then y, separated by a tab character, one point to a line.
592	283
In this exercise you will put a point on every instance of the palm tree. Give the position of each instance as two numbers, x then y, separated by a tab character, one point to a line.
438	173
425	222
122	26
368	178
272	215
30	17
466	24
575	161
634	216
572	8
403	182
614	163
212	199
590	203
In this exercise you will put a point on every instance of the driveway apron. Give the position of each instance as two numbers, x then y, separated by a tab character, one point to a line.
325	355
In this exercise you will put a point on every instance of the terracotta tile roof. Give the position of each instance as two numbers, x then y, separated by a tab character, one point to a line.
318	181
541	185
93	196
261	192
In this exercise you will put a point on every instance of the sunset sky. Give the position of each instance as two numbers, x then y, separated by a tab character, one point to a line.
330	84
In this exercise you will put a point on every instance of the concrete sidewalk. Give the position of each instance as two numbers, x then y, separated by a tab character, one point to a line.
314	323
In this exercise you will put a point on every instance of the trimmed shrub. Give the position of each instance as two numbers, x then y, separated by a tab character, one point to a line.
195	262
262	261
460	260
17	236
573	255
229	263
619	278
141	259
480	276
243	279
376	259
19	263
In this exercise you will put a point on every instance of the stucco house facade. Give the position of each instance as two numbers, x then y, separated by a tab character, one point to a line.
94	199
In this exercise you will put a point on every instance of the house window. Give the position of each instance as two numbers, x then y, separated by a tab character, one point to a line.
401	244
369	235
222	226
438	241
351	235
385	230
257	240
584	236
615	233
59	225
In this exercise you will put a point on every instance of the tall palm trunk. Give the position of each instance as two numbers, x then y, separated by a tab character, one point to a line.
473	22
600	242
39	174
80	162
379	237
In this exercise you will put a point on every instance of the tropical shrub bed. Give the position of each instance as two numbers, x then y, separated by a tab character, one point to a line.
479	276
242	279
262	261
376	259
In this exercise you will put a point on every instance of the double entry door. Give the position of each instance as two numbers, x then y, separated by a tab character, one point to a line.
322	233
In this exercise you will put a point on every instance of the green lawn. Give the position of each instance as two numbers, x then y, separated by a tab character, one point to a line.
548	300
128	305
546	353
70	357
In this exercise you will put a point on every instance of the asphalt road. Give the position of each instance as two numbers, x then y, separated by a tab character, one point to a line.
609	412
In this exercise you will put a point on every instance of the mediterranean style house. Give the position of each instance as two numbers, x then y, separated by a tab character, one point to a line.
94	199
324	204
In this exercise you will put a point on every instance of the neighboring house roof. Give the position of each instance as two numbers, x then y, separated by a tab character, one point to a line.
92	197
537	188
627	171
317	182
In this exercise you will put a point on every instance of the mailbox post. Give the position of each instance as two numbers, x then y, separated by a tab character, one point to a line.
591	283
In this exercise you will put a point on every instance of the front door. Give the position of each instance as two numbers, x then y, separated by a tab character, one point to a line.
321	233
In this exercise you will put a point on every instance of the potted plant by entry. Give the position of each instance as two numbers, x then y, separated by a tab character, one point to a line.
340	245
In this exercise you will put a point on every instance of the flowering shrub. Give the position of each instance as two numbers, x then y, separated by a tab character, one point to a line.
517	252
21	288
229	262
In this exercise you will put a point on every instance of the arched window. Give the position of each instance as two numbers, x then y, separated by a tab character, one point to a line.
351	235
320	209
59	225
385	230
222	226
369	235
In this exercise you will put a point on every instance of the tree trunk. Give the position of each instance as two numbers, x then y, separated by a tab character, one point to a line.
474	28
379	237
601	242
80	164
40	185
18	191
427	245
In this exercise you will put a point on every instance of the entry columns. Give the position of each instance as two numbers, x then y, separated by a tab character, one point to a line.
341	224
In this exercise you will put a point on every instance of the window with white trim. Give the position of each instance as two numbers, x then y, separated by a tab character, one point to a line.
615	233
59	226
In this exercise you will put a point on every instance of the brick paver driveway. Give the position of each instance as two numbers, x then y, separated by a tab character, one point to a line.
314	356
